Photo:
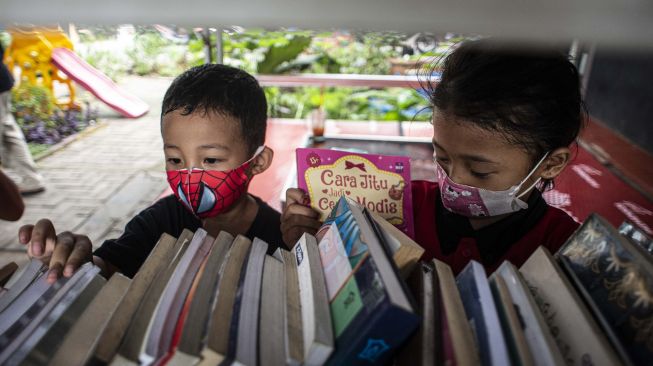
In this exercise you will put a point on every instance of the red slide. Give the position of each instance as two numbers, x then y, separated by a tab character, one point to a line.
97	83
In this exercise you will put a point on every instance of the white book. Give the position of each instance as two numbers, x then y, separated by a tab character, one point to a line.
538	337
578	336
316	314
18	307
27	276
248	318
172	300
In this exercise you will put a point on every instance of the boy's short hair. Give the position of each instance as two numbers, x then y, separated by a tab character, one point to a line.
215	88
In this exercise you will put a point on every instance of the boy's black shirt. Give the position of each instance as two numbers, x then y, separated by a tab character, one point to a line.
168	215
6	80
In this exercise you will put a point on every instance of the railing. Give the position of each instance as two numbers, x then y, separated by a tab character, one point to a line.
341	80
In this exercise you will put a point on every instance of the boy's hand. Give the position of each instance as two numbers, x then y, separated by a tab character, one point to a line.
298	217
63	253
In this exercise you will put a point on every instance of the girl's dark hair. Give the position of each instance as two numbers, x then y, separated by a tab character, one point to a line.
221	89
531	96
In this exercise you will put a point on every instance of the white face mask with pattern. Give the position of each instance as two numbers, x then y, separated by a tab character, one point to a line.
478	202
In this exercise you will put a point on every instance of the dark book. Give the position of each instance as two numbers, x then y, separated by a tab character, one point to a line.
615	278
482	314
371	308
6	272
636	235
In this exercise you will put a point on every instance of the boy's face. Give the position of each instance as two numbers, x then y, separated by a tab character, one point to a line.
476	157
202	140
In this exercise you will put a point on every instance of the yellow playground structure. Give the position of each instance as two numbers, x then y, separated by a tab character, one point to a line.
30	52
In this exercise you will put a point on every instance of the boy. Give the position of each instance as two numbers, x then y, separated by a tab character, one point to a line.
213	123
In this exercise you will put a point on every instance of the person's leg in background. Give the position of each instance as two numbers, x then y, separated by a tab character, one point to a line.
15	157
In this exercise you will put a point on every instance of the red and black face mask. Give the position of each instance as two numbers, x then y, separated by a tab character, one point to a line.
208	193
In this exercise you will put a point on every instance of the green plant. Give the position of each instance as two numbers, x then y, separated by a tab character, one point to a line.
32	100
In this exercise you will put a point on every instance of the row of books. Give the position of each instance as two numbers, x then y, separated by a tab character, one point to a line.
355	293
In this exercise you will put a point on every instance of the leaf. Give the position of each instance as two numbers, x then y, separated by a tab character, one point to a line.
278	54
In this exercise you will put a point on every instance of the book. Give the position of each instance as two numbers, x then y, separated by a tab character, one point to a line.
636	235
132	343
17	334
244	351
22	303
155	263
538	337
6	272
380	183
577	335
512	323
38	345
615	279
181	320
77	346
194	333
293	333
425	346
372	312
482	314
316	317
405	251
272	347
27	276
217	343
458	344
164	319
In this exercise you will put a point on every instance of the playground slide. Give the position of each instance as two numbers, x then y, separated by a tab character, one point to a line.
97	83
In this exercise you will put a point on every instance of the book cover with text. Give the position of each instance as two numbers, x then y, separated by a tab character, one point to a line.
381	183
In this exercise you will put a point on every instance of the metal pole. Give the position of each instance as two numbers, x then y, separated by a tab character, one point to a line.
219	48
208	48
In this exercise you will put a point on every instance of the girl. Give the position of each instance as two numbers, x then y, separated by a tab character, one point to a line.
503	124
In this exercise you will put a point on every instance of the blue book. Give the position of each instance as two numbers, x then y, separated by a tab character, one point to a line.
482	314
371	311
615	278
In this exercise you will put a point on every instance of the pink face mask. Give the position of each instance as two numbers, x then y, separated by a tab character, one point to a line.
208	193
478	202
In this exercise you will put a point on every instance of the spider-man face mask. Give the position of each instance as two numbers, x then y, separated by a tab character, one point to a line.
208	193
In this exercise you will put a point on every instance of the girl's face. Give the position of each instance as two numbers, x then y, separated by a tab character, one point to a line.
479	158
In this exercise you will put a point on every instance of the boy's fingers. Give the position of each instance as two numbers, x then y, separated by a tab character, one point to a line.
62	250
54	272
295	195
80	254
42	234
300	221
296	209
25	233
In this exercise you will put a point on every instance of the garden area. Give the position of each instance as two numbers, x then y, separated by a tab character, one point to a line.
166	51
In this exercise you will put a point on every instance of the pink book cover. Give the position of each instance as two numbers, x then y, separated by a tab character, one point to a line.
381	183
